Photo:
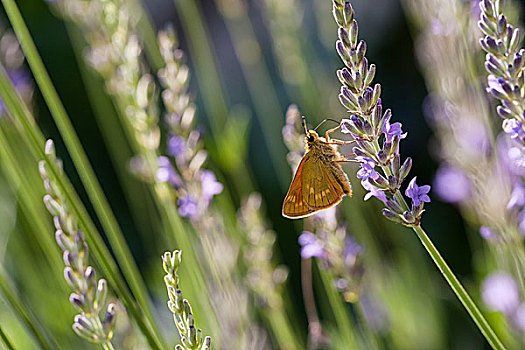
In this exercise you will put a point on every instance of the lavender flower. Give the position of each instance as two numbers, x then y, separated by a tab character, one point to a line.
452	185
392	130
229	297
367	168
89	295
368	123
416	193
517	197
486	233
190	336
194	185
188	206
374	191
311	246
500	292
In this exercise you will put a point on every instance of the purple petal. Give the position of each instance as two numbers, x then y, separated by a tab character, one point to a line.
424	189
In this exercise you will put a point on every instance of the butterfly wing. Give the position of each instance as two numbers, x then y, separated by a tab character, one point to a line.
294	206
317	185
324	184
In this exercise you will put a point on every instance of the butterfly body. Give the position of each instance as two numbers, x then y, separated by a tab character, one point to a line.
319	182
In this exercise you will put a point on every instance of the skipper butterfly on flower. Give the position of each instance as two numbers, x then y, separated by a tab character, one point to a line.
319	182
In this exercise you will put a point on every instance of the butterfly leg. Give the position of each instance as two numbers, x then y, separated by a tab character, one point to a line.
344	160
341	142
331	131
347	161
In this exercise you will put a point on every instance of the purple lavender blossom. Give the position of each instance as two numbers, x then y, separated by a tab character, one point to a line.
511	155
517	197
21	82
210	186
176	146
367	168
517	159
352	252
417	193
500	292
374	191
188	206
512	127
167	173
494	86
452	185
391	130
311	246
345	126
486	233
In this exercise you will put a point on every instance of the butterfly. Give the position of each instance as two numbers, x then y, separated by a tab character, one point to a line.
319	182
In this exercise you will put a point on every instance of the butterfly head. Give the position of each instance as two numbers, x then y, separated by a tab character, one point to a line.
310	137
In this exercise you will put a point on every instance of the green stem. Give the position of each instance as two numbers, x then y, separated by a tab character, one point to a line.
5	340
108	346
344	324
85	171
461	293
20	181
368	335
280	326
24	312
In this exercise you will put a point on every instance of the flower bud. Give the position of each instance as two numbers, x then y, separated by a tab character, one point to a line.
408	217
390	215
405	169
394	206
354	30
345	39
348	14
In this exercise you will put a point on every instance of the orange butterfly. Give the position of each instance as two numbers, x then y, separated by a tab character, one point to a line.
319	182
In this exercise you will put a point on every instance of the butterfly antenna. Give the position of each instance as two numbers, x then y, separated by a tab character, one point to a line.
304	124
324	121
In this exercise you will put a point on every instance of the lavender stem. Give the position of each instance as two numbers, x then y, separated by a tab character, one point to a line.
459	290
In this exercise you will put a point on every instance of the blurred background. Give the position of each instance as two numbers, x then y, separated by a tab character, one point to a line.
253	60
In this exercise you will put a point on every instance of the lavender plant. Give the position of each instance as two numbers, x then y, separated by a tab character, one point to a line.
89	295
194	188
191	337
504	63
506	83
265	280
378	146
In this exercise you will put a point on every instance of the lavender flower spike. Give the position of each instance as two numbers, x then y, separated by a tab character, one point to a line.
504	63
377	138
89	295
381	144
191	338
